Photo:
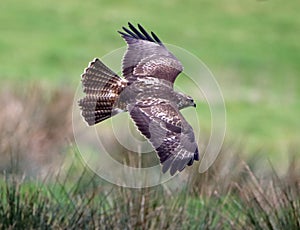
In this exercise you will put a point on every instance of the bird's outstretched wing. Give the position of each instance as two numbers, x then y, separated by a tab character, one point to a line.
169	133
147	56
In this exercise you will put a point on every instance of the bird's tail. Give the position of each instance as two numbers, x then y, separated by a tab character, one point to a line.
102	87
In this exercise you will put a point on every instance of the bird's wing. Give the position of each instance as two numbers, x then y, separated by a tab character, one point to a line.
169	133
147	56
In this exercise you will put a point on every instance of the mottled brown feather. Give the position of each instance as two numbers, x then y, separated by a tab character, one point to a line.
168	132
146	90
102	87
147	56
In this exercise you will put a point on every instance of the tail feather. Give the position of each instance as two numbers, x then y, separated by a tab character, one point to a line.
98	76
94	110
102	87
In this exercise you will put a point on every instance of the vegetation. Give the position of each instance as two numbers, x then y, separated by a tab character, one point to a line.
219	198
251	47
45	184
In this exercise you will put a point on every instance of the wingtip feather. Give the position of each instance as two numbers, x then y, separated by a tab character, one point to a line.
156	38
139	33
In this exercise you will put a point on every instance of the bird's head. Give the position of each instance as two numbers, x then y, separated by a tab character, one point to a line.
185	101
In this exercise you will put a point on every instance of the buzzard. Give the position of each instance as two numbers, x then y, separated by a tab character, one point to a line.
146	92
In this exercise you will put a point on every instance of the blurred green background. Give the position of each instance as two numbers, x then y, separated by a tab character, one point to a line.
252	47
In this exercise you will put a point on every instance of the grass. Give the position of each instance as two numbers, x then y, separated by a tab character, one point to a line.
220	198
35	128
251	46
53	41
45	184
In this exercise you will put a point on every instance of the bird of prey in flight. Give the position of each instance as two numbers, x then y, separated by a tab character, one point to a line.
146	91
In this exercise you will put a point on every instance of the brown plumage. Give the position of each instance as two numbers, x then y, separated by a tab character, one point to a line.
102	87
146	91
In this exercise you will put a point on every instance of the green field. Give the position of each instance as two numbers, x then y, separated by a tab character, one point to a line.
252	47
